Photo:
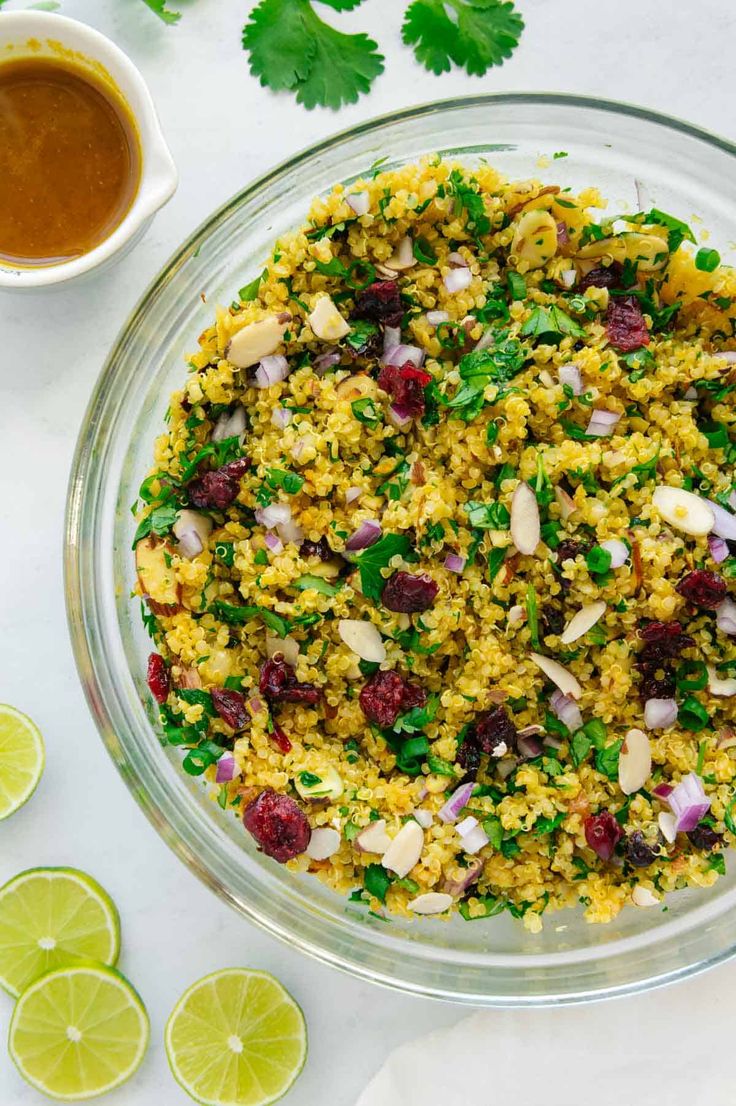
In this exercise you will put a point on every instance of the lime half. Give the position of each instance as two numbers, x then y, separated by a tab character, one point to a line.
48	918
21	759
236	1038
78	1032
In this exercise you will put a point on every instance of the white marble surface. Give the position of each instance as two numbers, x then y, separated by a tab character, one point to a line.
223	131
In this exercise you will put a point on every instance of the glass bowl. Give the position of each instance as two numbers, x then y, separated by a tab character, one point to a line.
635	158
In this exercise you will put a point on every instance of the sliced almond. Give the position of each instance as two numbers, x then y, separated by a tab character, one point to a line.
256	340
402	257
642	896
329	784
363	638
287	647
405	849
326	321
374	839
634	762
667	822
565	502
559	676
323	843
535	238
157	578
583	621
716	686
433	902
684	510
525	526
356	386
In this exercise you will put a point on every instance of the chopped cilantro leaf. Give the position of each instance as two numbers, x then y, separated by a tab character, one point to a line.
552	324
235	615
477	34
418	717
371	560
162	11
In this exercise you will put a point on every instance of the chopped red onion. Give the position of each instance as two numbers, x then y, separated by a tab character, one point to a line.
568	278
728	355
229	425
457	280
660	713
290	531
529	747
726	616
399	417
725	525
732	500
457	259
566	709
391	339
402	354
276	514
367	534
718	548
352	494
619	551
472	835
552	742
192	531
255	704
450	812
326	360
360	202
469	875
226	769
436	318
662	790
454	563
602	423
688	802
570	375
272	370
274	543
281	417
487	338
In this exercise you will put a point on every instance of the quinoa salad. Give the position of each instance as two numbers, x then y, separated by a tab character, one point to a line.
438	552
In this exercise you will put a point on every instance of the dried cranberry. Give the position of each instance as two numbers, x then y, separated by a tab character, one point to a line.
230	705
217	489
280	739
278	825
638	851
657	684
278	682
602	277
386	695
468	756
662	641
409	593
703	589
625	324
603	833
316	550
563	236
494	730
705	837
381	302
553	619
570	548
158	678
406	387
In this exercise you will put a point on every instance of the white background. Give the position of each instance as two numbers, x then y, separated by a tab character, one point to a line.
672	55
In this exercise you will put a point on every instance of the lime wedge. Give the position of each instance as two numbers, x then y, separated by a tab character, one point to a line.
78	1032
48	918
21	759
236	1038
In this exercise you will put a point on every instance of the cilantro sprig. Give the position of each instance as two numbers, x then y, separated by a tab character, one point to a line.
159	7
291	49
474	34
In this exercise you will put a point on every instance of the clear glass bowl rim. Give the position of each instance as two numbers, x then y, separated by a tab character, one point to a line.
85	637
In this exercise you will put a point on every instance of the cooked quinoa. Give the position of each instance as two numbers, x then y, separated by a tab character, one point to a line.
438	546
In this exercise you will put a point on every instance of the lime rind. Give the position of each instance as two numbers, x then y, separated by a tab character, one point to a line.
32	909
273	1023
22	759
71	1059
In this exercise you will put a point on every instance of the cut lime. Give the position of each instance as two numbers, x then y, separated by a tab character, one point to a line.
78	1032
48	918
21	759
236	1038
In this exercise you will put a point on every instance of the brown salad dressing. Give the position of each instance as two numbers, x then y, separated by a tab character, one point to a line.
70	161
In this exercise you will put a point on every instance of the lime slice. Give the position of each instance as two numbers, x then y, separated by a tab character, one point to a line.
21	759
48	918
236	1038
78	1032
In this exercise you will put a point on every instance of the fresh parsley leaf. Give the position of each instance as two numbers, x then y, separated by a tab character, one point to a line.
316	583
164	13
551	323
418	717
250	291
487	516
235	615
376	881
478	369
159	522
477	34
377	556
469	199
291	48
